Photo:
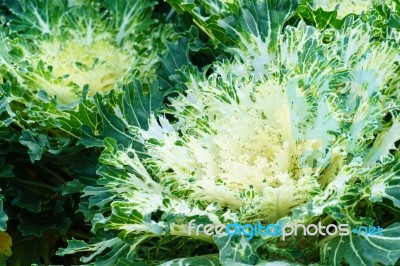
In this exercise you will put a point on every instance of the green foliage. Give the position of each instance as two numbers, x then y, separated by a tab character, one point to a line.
351	248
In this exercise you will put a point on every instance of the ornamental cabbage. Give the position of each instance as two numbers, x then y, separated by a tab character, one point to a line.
126	126
56	55
295	124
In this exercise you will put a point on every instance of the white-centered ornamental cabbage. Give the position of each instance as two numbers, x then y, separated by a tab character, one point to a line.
60	48
296	125
56	55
